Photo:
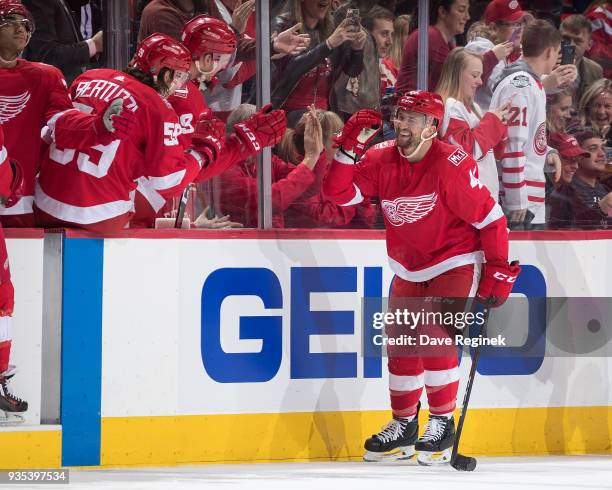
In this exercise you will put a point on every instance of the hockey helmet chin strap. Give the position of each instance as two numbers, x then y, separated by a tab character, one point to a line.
423	140
220	62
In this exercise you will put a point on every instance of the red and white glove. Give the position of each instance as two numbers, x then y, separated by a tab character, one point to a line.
359	131
497	282
115	123
208	137
17	184
7	298
262	129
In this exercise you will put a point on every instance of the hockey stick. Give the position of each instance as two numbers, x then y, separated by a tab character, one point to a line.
459	461
181	209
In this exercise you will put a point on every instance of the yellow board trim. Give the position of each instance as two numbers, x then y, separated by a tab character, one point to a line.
30	449
337	436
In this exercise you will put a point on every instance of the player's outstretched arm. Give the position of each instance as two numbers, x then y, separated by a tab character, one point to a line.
263	129
342	184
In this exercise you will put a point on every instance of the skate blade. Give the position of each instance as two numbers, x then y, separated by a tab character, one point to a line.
425	458
9	419
399	454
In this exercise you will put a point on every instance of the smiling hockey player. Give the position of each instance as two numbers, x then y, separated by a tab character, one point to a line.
442	226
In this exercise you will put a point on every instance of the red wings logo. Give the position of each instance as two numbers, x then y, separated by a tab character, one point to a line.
539	139
457	157
11	106
408	209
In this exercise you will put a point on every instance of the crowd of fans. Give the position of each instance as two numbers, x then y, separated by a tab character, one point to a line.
331	58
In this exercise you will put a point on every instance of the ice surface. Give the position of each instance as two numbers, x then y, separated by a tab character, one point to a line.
558	472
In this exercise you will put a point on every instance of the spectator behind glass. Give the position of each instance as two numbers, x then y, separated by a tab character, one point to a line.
307	78
524	153
499	43
313	209
351	94
447	18
577	29
379	23
577	204
595	108
464	123
57	39
401	28
167	17
600	15
559	110
238	184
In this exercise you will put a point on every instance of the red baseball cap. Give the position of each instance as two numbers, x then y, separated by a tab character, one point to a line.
567	145
506	10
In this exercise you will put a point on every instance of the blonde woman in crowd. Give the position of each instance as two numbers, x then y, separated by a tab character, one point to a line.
464	122
596	107
400	33
558	112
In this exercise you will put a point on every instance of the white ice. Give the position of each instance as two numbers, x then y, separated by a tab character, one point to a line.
558	472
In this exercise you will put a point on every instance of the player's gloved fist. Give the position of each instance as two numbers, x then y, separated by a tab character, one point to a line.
7	298
262	129
115	123
208	137
497	281
359	131
211	125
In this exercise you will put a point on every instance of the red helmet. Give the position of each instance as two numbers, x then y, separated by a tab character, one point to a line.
428	103
204	34
14	7
8	7
160	51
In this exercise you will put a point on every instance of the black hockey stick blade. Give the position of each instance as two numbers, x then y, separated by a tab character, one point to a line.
464	463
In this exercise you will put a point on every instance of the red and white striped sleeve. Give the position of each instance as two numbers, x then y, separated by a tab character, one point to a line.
513	157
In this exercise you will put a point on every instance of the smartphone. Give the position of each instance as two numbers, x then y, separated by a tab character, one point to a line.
608	152
568	52
516	36
355	19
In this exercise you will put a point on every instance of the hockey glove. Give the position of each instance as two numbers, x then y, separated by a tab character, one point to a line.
262	129
208	124
208	137
116	123
7	299
359	131
16	189
497	282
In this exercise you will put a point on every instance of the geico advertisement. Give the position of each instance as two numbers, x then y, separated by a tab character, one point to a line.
246	326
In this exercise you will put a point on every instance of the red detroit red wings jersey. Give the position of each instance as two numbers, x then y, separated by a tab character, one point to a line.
82	181
30	95
438	215
188	104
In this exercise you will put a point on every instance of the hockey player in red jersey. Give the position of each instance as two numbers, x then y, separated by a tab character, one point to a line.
446	237
31	94
125	130
212	44
11	187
